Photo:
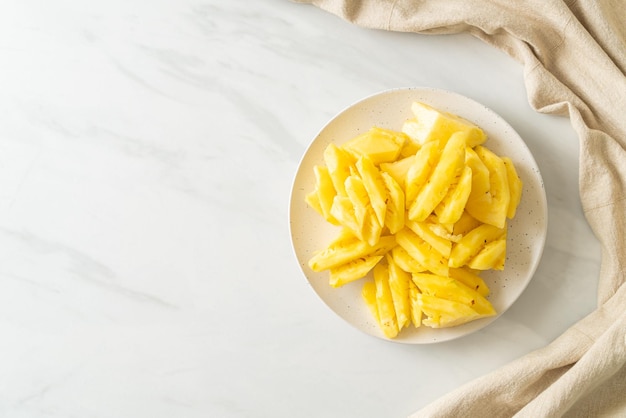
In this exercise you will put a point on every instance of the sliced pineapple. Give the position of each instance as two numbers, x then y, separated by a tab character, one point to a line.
451	208
444	313
419	172
473	242
325	192
470	279
416	310
399	285
343	212
352	270
421	251
452	289
515	187
430	124
368	292
339	163
378	144
384	301
348	251
395	212
448	167
423	211
491	257
398	169
404	260
375	187
425	231
492	207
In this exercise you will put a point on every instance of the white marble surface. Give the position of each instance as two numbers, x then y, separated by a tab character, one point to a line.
147	150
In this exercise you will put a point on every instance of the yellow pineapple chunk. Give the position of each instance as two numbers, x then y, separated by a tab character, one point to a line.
443	313
492	256
420	170
404	260
314	201
343	211
473	242
470	279
394	215
345	252
491	207
452	206
399	285
359	198
353	270
448	167
325	192
515	187
451	289
440	244
430	124
375	187
378	144
465	224
442	230
344	236
421	251
398	169
416	310
368	292
384	301
338	163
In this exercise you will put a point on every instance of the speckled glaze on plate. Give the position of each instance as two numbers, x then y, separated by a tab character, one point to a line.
389	109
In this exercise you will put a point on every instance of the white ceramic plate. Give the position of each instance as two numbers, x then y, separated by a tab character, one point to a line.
389	109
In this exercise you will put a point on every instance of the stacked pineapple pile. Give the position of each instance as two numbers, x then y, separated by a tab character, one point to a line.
425	209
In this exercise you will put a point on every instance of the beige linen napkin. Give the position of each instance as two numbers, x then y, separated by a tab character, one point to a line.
574	58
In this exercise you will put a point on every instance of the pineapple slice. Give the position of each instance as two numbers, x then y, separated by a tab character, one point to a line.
399	285
384	301
424	230
473	242
314	201
465	224
375	187
448	167
430	124
338	163
453	204
492	256
343	211
515	187
398	169
353	270
420	170
451	289
369	227
416	310
394	215
421	251
344	252
492	207
443	313
469	279
368	292
378	144
405	261
325	192
360	201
